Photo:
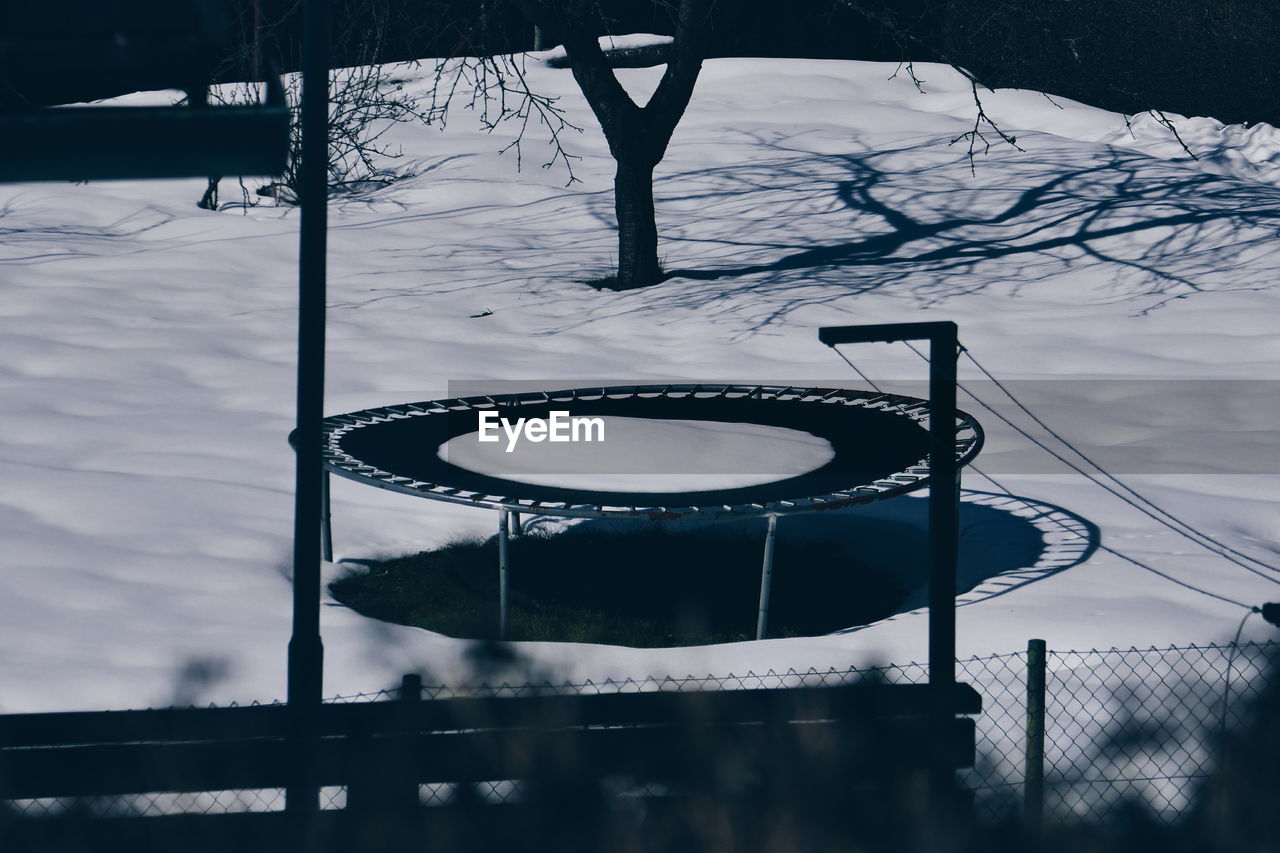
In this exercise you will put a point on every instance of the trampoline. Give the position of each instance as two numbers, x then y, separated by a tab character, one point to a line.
879	449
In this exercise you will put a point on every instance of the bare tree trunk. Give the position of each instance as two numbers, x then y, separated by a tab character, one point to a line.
637	229
637	135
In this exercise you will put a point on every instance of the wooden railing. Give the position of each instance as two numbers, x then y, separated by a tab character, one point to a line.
665	745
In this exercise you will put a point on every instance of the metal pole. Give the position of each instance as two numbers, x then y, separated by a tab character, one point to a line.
944	529
306	651
516	529
503	584
326	520
766	579
1033	791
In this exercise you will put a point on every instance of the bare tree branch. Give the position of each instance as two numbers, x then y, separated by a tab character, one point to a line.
498	90
938	53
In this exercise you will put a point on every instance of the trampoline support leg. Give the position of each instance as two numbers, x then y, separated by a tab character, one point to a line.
766	579
326	524
516	529
503	588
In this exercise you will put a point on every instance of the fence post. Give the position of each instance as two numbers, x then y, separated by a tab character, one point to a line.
382	787
406	798
1033	775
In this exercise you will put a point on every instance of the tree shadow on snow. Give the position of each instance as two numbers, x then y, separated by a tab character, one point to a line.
920	225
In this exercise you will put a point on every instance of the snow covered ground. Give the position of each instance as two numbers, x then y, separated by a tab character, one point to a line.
145	494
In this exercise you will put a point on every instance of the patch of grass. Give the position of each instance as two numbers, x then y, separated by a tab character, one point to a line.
647	588
604	282
610	282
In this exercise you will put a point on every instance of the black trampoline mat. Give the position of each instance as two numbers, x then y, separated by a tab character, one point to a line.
869	444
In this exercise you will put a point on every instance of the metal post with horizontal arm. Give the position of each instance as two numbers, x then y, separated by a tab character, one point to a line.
944	527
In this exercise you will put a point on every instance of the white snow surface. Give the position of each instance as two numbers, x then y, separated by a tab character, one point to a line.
147	379
628	41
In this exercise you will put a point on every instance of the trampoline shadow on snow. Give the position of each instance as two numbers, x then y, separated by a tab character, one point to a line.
692	583
1006	542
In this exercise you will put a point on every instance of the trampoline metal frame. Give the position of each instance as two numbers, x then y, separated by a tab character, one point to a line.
967	441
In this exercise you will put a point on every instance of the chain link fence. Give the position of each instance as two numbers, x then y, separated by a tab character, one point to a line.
1121	726
1144	725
